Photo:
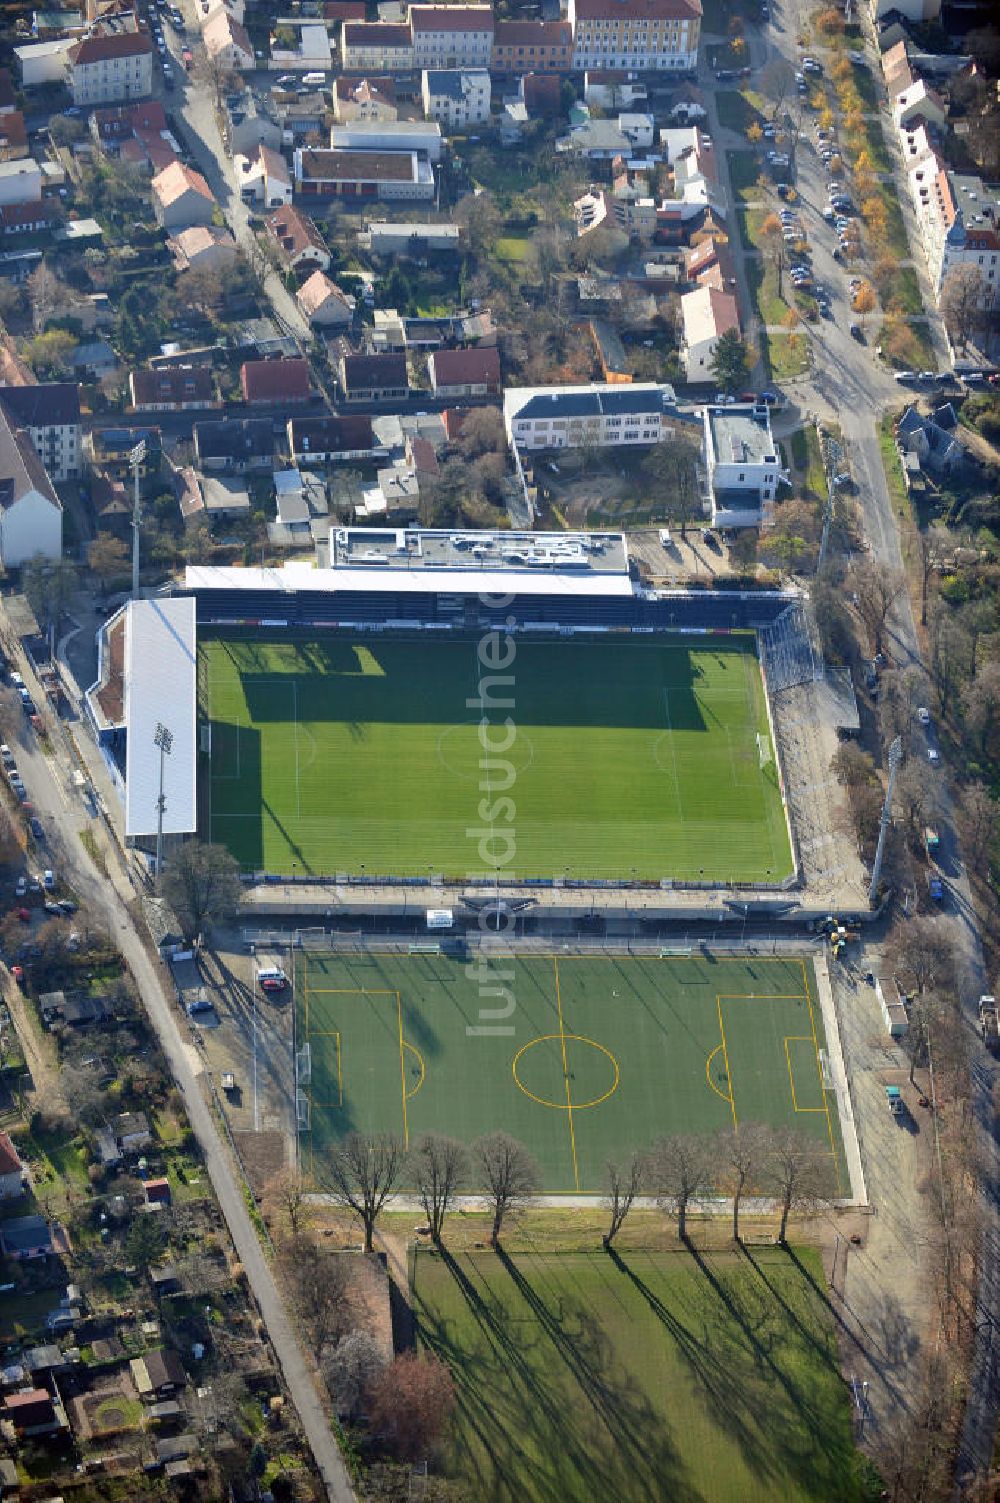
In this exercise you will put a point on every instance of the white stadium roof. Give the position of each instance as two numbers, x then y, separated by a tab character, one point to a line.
160	663
293	577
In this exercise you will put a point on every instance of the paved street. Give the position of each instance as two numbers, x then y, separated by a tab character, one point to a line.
58	804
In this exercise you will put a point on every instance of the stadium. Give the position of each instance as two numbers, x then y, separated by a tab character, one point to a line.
455	706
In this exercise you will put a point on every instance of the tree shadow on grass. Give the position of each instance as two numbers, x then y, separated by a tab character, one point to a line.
526	1433
758	1373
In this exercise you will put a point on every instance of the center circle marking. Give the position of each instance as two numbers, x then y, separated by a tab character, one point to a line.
559	1038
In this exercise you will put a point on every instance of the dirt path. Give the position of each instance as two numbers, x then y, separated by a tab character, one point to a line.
44	1072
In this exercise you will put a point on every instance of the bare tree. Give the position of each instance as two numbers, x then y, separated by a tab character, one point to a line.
317	1283
914	794
509	1176
286	1193
876	587
745	1153
921	953
441	1165
624	1184
361	1173
796	1172
961	302
679	1169
980	825
202	885
981	706
351	1370
951	655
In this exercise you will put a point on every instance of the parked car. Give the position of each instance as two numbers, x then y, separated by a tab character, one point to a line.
21	887
49	880
37	828
857	333
933	755
906	378
924	715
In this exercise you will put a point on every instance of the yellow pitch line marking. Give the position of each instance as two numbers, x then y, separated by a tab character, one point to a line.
340	1076
423	1068
798	1038
708	1076
819	1073
725	1056
569	1100
402	1068
558	1106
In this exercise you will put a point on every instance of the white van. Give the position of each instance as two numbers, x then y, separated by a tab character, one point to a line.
272	978
314	78
665	539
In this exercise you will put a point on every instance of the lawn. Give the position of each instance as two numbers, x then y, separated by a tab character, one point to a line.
698	1378
763	280
735	110
512	248
893	467
917	353
903	293
358	754
593	1056
744	170
787	355
807	458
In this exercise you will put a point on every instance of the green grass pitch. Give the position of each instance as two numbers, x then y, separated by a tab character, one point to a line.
694	1378
596	1055
633	758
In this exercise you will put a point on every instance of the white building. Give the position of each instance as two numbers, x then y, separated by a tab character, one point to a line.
20	182
742	464
106	69
567	417
227	42
423	136
323	304
707	314
43	62
451	36
161	632
958	218
377	47
644	35
265	178
50	414
30	511
404	239
456	97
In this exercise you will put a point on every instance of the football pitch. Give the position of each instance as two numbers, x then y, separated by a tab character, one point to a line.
606	758
580	1057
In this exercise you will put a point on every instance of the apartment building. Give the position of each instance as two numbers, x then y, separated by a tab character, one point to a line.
50	414
742	464
369	99
377	47
568	417
451	36
532	47
106	69
645	35
456	97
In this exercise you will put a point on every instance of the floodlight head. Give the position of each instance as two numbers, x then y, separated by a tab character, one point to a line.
138	454
163	738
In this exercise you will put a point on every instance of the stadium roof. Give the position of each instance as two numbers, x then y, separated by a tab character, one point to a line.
160	646
358	579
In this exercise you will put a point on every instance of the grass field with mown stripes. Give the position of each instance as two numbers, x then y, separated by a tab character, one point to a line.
600	758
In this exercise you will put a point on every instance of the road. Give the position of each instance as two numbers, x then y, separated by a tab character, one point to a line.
849	387
63	815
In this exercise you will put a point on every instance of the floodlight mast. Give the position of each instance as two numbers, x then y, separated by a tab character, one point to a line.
895	757
164	739
136	459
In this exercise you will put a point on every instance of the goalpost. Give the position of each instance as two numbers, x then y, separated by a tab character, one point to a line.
303	1065
302	1112
764	753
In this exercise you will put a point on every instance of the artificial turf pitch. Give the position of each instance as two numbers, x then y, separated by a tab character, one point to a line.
623	758
693	1378
580	1057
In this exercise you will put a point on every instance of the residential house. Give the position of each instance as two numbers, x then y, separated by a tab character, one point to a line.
612	89
707	314
8	94
248	126
217	497
896	69
532	47
202	248
181	197
264	178
322	303
377	47
910	10
422	137
456	97
12	1176
363	174
20	182
227	42
310	51
623	218
302	117
330	440
13	137
111	449
207	9
958	217
177	390
34	1412
158	1373
25	1238
30	511
364	99
451	36
566	417
275	381
28	218
919	102
643	35
610	351
710	264
465	373
138	134
131	1130
41	63
415	240
742	463
932	440
374	378
236	445
541	95
297	239
50	414
156	1192
107	67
